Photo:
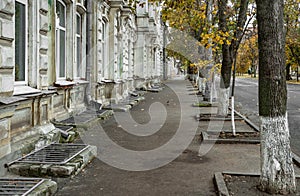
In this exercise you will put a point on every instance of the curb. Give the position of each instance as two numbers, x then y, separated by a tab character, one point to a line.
221	185
227	141
251	124
240	174
296	159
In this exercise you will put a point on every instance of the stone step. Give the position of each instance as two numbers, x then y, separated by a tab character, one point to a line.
118	107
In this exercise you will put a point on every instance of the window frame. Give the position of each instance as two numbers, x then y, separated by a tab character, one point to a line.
78	73
59	28
104	47
25	82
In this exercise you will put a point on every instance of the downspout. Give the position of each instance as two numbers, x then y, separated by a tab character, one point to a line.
89	59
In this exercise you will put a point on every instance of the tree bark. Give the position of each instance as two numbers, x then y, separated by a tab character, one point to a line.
277	172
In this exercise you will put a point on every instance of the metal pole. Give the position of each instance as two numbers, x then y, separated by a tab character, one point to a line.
232	96
233	77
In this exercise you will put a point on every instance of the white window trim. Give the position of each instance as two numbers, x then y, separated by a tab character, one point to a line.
79	75
24	83
57	48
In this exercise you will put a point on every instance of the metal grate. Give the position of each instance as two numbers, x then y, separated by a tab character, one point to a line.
53	154
19	186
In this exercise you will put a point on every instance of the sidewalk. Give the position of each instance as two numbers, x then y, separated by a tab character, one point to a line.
188	174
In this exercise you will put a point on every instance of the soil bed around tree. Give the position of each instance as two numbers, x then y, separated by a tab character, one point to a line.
211	117
239	135
228	137
247	185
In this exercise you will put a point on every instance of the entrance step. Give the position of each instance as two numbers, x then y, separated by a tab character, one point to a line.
118	107
154	90
86	117
132	101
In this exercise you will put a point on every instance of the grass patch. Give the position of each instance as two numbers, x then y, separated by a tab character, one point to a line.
202	104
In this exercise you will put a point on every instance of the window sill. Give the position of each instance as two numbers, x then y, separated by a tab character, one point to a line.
107	81
78	81
25	90
119	81
11	100
64	83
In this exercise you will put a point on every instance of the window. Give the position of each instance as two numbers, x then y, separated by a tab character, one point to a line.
21	69
60	39
104	50
79	44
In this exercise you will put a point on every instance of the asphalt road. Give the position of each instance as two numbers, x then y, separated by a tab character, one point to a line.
246	92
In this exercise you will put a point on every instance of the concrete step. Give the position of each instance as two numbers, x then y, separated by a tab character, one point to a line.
118	107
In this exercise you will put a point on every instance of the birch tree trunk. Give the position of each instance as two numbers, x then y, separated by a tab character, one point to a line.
277	172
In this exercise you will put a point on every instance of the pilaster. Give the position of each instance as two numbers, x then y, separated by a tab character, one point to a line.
7	60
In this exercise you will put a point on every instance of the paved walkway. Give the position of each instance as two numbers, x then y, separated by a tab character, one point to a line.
147	167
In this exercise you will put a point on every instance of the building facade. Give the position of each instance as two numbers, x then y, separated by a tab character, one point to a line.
58	55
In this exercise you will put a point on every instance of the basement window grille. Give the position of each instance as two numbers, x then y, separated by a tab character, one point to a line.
19	186
53	154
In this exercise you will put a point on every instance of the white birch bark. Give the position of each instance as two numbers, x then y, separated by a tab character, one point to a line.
277	171
223	102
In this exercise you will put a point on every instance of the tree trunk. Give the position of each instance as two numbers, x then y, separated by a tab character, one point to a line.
226	63
277	172
288	72
297	75
201	85
229	51
255	70
209	57
223	101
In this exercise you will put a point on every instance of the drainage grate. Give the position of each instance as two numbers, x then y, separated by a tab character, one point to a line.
53	154
19	186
